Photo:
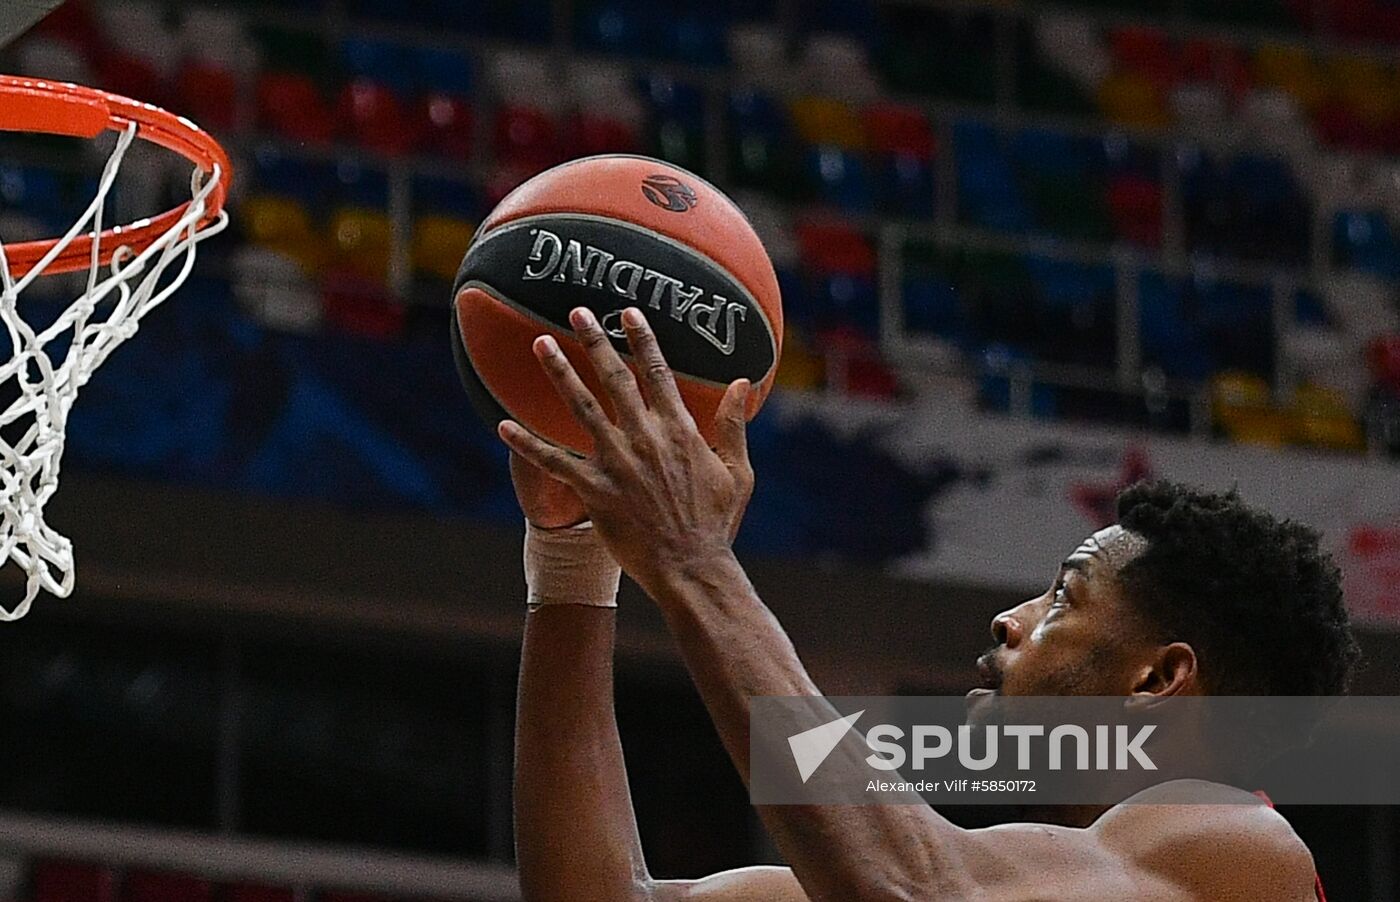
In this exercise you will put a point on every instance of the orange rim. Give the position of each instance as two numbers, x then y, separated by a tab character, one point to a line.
54	108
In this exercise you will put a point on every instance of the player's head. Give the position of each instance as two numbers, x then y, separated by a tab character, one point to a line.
1190	592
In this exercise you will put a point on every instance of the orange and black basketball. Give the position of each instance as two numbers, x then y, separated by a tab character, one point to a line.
607	233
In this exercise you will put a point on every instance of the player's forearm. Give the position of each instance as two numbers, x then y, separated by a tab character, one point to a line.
576	836
735	650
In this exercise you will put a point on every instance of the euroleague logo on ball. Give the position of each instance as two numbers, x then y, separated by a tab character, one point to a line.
669	193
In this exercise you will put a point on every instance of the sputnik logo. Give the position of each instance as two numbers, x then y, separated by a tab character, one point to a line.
811	747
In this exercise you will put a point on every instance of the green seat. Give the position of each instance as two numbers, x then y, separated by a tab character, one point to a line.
288	50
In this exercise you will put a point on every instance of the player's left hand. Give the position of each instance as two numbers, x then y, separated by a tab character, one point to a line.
663	501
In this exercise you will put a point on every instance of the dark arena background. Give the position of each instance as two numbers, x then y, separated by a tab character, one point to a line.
1029	253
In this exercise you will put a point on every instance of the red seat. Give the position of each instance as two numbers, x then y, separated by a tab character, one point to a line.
832	246
593	134
291	105
208	95
1135	206
153	886
446	125
1338	126
68	881
853	365
898	129
526	136
1383	359
361	306
1146	51
124	73
370	115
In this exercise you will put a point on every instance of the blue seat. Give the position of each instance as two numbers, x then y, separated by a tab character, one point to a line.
755	111
841	179
1167	340
905	185
618	27
312	182
843	299
699	37
382	62
671	99
361	186
994	385
449	197
931	305
988	194
448	71
1363	240
39	193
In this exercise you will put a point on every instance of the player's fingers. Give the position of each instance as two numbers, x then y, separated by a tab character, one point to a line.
618	381
658	380
563	466
585	408
731	426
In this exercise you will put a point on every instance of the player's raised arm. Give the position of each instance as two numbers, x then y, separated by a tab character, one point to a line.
665	504
575	834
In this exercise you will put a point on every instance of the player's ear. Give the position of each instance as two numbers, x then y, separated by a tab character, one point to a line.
1171	670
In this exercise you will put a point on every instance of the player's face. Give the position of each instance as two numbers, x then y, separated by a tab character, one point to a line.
1080	637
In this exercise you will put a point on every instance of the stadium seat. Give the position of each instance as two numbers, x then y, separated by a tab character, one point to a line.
830	245
1135	206
526	136
761	147
1322	419
438	245
209	95
1133	100
841	179
370	115
592	133
853	365
824	121
150	886
67	881
361	306
363	239
283	224
1242	406
1363	240
290	105
1148	52
988	194
446	125
801	369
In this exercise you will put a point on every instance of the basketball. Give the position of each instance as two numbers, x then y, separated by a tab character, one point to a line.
607	233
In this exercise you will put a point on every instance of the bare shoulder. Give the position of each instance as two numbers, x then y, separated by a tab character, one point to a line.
1212	840
769	884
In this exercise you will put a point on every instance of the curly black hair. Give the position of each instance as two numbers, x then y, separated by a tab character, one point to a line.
1255	596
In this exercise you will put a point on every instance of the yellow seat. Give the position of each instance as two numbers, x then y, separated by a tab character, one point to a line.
821	120
1366	87
283	225
1127	98
268	219
1291	69
1242	405
799	368
363	241
1322	419
438	245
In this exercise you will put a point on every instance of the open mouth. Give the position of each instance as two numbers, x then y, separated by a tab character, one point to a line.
988	676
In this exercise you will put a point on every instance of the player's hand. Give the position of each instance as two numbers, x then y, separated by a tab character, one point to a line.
546	501
663	501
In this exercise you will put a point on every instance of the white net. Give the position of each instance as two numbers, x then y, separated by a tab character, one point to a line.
43	388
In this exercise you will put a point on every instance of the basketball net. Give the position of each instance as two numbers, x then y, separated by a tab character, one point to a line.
107	312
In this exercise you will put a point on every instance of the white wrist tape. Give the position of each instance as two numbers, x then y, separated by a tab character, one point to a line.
569	566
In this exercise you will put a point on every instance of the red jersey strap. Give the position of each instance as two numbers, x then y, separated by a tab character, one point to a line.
1317	879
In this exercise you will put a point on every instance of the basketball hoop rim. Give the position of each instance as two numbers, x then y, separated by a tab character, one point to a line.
61	108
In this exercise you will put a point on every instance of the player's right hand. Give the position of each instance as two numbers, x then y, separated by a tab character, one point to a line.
546	501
